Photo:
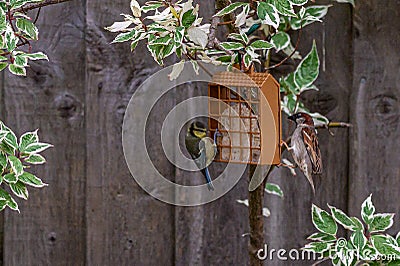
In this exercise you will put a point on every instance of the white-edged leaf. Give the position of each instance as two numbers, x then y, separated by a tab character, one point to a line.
135	8
231	46
124	37
265	211
10	39
241	37
38	147
195	66
177	70
36	56
298	2
284	8
11	139
274	189
261	45
359	240
20	190
268	14
384	246
311	15
319	236
323	221
381	222
10	178
11	203
308	69
229	9
241	18
31	180
27	27
28	138
342	218
119	26
16	165
198	36
280	40
17	70
35	159
318	247
367	210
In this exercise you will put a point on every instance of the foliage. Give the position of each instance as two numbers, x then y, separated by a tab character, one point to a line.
170	28
367	242
16	31
16	156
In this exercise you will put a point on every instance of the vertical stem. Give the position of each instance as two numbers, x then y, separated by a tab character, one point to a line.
256	221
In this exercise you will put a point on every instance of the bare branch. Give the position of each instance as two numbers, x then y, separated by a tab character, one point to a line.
213	32
38	5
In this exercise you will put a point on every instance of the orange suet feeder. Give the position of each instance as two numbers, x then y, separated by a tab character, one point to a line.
246	110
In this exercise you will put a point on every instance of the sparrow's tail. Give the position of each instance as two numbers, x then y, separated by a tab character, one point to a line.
208	178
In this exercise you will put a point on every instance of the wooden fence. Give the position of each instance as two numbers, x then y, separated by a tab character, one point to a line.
93	212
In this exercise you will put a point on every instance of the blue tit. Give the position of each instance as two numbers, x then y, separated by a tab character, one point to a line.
202	148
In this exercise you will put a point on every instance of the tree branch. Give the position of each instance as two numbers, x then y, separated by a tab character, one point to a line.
38	5
213	32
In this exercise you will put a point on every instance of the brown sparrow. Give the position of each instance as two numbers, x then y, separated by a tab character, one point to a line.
304	146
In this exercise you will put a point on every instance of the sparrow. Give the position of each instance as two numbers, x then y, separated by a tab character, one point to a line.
304	147
201	148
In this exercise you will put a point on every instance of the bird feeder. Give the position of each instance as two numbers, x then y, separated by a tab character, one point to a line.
245	108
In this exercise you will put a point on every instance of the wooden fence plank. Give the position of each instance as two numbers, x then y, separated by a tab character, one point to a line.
125	226
375	164
50	229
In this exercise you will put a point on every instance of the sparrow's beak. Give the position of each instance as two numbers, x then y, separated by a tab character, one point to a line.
292	118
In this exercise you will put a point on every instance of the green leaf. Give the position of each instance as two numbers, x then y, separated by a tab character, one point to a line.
19	3
16	70
3	22
10	178
268	14
11	139
35	159
20	61
27	27
357	223
284	7
6	148
318	247
16	165
229	9
37	147
381	222
260	45
151	6
10	39
323	221
274	189
308	70
398	239
247	60
3	66
367	210
28	138
124	37
188	18
359	240
5	196
178	36
3	161
280	40
321	237
298	2
31	180
343	219
232	46
311	15
383	245
20	190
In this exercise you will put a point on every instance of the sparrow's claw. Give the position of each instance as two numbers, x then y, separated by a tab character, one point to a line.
287	165
283	143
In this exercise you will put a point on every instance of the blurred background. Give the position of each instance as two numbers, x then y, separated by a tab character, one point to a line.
94	213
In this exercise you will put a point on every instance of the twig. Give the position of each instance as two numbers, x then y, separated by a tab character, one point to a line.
39	5
294	50
37	16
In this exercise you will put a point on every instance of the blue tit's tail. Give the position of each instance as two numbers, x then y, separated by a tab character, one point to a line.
208	178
